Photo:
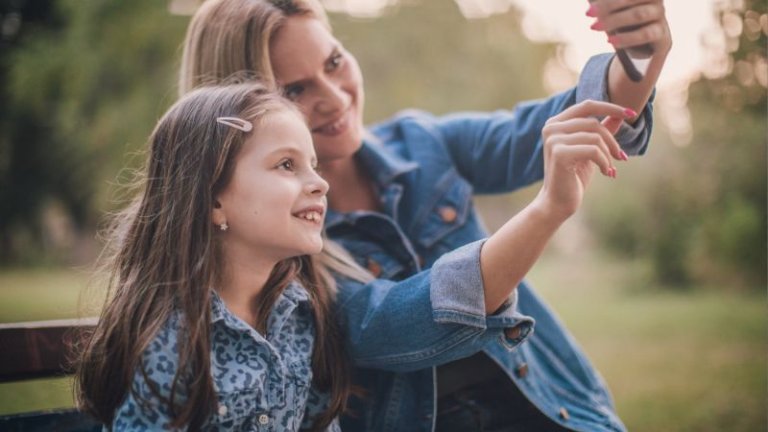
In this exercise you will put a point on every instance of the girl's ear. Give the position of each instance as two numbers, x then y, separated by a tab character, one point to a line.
217	215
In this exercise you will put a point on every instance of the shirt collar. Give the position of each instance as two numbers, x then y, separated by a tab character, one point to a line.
294	292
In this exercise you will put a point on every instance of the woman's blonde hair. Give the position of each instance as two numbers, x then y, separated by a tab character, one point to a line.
228	37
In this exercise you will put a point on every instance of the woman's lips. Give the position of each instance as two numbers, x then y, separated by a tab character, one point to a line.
336	127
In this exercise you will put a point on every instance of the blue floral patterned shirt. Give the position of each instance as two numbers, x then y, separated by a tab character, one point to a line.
263	382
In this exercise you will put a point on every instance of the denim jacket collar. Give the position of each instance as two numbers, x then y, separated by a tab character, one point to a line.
383	165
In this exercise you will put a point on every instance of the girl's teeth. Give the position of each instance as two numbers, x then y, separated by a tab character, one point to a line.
311	216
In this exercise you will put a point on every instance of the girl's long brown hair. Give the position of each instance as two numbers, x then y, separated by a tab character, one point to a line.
163	256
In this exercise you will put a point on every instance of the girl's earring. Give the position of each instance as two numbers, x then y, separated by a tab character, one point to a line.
224	226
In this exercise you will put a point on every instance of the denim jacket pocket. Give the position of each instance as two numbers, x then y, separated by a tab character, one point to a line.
446	212
375	259
242	410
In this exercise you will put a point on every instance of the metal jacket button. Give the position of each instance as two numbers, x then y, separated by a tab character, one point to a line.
513	333
521	370
448	214
374	267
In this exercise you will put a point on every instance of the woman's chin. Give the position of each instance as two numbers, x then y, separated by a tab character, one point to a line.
331	150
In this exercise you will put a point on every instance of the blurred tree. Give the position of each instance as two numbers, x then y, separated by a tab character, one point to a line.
83	87
729	118
20	173
425	54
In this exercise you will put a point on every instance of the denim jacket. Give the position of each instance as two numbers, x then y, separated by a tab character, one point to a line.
263	383
427	306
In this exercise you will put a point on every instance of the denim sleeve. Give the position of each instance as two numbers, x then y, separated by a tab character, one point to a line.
502	151
593	84
434	317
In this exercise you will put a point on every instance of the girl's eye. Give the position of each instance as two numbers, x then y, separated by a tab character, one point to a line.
292	92
286	165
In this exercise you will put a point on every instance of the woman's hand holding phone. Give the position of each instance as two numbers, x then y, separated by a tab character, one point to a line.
637	29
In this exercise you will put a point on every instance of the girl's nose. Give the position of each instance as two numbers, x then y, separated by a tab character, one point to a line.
316	185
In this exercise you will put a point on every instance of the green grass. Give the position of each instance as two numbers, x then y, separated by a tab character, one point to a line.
45	294
675	361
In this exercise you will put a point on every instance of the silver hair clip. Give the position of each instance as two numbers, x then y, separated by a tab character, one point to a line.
236	123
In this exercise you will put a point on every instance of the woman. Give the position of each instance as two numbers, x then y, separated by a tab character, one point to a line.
400	202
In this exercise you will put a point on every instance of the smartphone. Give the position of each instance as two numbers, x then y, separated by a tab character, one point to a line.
635	60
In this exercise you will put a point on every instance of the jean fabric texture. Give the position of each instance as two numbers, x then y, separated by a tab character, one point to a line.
263	382
427	306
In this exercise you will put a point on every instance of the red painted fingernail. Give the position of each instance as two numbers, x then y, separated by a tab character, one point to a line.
624	156
592	11
612	40
597	25
629	112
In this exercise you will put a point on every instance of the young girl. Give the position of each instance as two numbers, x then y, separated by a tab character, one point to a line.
216	318
447	302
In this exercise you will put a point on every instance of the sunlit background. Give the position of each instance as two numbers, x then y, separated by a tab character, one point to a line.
661	275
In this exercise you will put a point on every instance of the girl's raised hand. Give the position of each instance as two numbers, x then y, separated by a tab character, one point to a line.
575	142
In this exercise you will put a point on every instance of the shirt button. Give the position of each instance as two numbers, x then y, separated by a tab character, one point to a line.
564	414
448	214
374	267
222	410
263	419
521	370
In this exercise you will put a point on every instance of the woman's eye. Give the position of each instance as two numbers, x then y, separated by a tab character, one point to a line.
292	92
286	165
335	61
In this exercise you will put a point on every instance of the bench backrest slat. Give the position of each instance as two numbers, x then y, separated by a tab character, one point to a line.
37	349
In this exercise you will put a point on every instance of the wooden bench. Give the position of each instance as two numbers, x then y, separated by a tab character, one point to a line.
33	350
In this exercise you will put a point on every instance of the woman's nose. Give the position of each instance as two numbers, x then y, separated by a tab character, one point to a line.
331	97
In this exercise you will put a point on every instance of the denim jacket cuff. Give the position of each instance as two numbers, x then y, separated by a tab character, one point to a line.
512	326
458	296
593	85
456	287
